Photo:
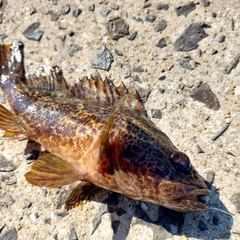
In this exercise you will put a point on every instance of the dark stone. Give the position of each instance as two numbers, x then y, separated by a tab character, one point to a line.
32	10
61	213
103	59
11	234
210	177
185	62
162	78
161	26
91	8
115	225
137	69
214	15
161	43
136	78
31	33
61	197
54	15
76	12
6	166
215	220
27	203
204	94
233	64
232	24
202	226
190	37
215	51
199	149
144	93
104	13
132	36
199	52
150	18
65	9
117	28
118	52
63	38
73	49
156	113
205	3
120	211
147	5
47	220
161	90
1	17
186	9
114	6
71	33
222	39
73	235
163	7
235	199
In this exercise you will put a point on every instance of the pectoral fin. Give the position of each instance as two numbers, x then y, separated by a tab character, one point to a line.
11	125
51	171
83	191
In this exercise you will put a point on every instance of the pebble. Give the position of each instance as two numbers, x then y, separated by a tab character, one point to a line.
65	9
103	59
11	234
202	225
205	3
150	18
73	235
117	28
144	93
186	62
204	94
138	69
199	149
61	213
147	5
6	166
237	90
114	6
190	37
136	78
235	199
233	64
185	9
27	203
163	7
76	12
156	113
73	49
132	36
31	33
1	17
162	78
54	16
222	38
91	8
161	43
160	26
32	10
104	13
61	197
118	52
214	15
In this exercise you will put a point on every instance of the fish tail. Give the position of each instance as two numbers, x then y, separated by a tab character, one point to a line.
11	64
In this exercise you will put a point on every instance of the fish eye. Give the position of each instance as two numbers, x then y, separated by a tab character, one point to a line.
180	162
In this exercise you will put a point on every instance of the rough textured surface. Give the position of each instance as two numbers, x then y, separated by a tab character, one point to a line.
186	122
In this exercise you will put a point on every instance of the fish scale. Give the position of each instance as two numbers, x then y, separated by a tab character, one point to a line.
95	133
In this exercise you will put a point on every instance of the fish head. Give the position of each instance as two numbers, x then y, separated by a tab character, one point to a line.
154	170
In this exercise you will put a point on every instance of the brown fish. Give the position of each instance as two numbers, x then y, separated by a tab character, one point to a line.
95	133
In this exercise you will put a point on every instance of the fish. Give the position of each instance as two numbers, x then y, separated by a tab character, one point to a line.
96	135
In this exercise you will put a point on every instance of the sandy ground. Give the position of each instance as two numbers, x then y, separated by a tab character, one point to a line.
37	213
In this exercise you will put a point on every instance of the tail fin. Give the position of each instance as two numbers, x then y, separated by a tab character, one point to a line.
11	63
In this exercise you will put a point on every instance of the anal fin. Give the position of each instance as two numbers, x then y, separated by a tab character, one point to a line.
11	125
51	171
82	192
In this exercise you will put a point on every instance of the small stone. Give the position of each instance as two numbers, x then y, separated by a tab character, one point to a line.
202	226
210	176
114	6
47	220
11	234
132	36
71	33
144	93
150	18
73	49
61	213
214	51
161	43
118	52
156	113
6	166
136	78
186	62
232	24
199	52
63	38
204	94
31	33
54	16
222	39
214	15
65	9
163	7
32	10
91	8
117	28
237	90
160	26
190	37
235	199
137	69
103	59
147	5
27	203
161	90
233	64
104	13
73	235
1	17
205	3
76	12
186	9
199	149
162	78
61	197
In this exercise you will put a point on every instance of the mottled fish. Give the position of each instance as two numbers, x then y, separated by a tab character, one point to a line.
95	133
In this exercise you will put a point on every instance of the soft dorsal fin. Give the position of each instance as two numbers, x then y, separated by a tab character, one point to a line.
52	79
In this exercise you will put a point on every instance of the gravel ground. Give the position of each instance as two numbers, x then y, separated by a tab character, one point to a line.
182	56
